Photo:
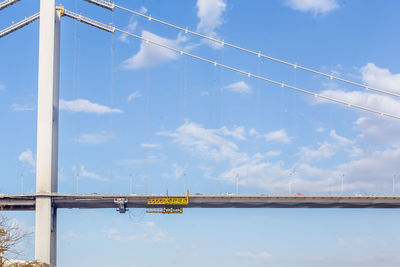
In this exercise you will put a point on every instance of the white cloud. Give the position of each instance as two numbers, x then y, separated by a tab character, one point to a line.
273	153
324	150
146	232
150	145
135	162
379	130
343	141
208	143
178	171
114	234
152	55
278	136
238	132
132	25
209	12
134	95
83	173
26	157
27	107
320	130
370	172
254	132
2	87
375	170
251	170
239	87
381	103
375	77
275	177
143	9
94	139
129	28
83	105
264	256
317	7
204	93
380	78
355	152
265	175
327	149
208	171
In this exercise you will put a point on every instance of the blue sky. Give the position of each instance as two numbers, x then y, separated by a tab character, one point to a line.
134	112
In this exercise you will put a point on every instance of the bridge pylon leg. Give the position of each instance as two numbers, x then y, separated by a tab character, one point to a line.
47	132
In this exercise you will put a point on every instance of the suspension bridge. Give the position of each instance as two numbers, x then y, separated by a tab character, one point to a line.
46	200
121	202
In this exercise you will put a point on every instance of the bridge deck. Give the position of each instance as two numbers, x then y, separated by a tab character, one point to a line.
103	201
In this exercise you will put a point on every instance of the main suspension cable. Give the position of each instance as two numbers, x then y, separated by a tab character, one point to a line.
112	29
215	63
258	54
7	3
19	25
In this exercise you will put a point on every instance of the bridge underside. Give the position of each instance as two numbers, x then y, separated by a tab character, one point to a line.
97	201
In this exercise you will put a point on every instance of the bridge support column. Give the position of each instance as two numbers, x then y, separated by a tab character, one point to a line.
47	132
